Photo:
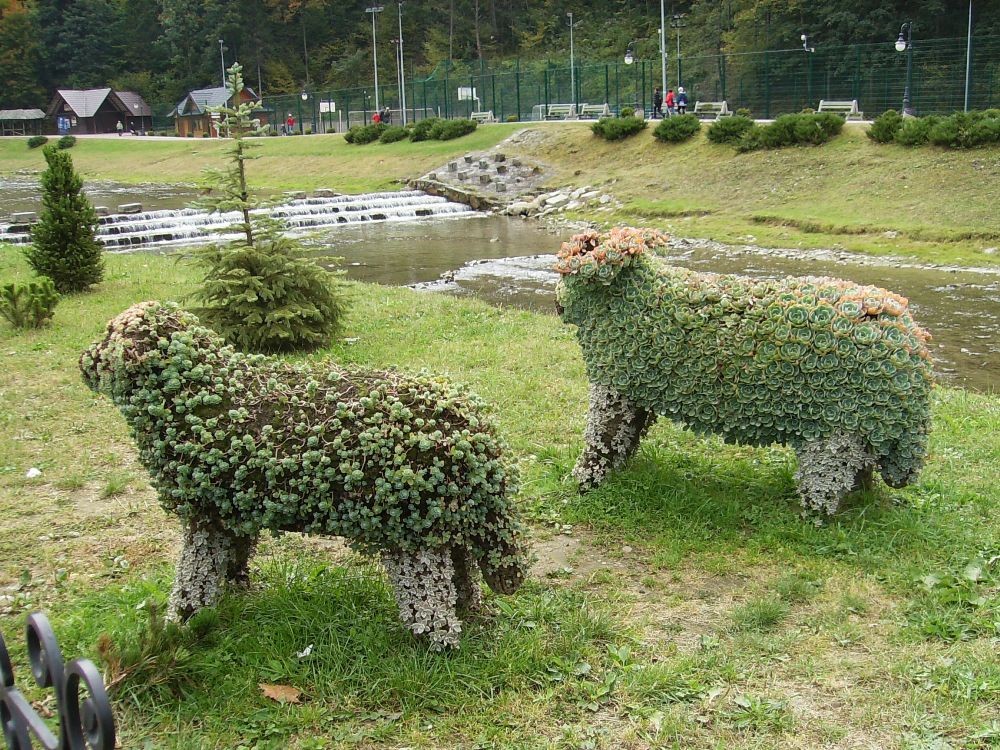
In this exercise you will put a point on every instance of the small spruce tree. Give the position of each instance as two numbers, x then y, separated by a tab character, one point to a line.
64	242
261	291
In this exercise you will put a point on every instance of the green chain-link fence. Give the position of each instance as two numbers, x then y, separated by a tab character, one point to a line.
767	83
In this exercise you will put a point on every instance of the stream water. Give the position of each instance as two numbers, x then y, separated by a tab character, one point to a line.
508	262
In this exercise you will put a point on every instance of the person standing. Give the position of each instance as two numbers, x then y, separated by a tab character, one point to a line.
386	116
670	101
377	117
289	124
119	127
657	103
682	100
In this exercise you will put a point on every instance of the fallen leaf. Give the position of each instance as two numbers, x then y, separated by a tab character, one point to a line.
281	693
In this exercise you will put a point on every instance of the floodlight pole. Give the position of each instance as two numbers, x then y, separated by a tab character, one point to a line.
375	10
402	70
663	51
968	58
572	66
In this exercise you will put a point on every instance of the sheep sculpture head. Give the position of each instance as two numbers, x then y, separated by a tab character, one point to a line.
836	370
405	467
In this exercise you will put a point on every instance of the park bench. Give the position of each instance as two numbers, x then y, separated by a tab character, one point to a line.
849	109
561	112
483	117
711	110
594	111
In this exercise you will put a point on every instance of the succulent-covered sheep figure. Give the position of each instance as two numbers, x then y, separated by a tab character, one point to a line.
405	467
838	371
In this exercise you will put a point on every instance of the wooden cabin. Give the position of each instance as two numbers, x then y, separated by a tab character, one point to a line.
88	111
192	116
21	121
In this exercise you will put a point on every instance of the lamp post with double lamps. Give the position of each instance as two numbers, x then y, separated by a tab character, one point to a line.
375	10
905	44
572	63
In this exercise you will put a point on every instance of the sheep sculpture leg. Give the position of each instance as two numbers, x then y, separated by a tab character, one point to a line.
424	584
468	594
615	426
209	558
830	469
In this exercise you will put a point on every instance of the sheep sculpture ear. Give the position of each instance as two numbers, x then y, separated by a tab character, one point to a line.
592	256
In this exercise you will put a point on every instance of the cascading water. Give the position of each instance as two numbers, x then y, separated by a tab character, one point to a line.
190	225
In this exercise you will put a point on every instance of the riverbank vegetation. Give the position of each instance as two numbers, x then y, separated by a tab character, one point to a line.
850	194
684	603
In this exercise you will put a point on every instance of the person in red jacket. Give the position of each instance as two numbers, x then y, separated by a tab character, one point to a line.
376	118
670	102
290	125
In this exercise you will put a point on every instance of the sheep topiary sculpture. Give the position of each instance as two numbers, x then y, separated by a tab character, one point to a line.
405	467
836	370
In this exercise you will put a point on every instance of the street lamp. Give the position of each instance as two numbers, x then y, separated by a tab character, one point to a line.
905	44
805	43
222	57
677	22
304	97
630	53
374	10
572	65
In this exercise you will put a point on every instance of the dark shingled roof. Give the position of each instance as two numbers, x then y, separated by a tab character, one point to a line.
134	103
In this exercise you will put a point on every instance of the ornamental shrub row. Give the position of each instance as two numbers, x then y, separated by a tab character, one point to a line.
958	130
431	129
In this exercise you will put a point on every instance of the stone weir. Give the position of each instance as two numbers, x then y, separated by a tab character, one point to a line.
189	225
483	181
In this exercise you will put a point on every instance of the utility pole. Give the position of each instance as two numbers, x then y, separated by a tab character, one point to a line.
572	65
375	10
222	57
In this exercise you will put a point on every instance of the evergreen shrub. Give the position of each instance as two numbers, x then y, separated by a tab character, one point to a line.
361	134
805	128
626	112
64	243
67	141
446	130
262	291
916	131
29	305
744	112
677	128
393	133
885	126
967	129
617	128
729	129
37	140
421	130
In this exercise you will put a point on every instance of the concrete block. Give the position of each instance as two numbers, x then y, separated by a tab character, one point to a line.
130	208
499	157
102	210
501	169
24	217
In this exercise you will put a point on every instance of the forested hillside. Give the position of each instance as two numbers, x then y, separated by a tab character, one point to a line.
161	48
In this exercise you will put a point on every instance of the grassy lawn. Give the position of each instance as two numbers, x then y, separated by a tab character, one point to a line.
852	194
684	604
298	163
